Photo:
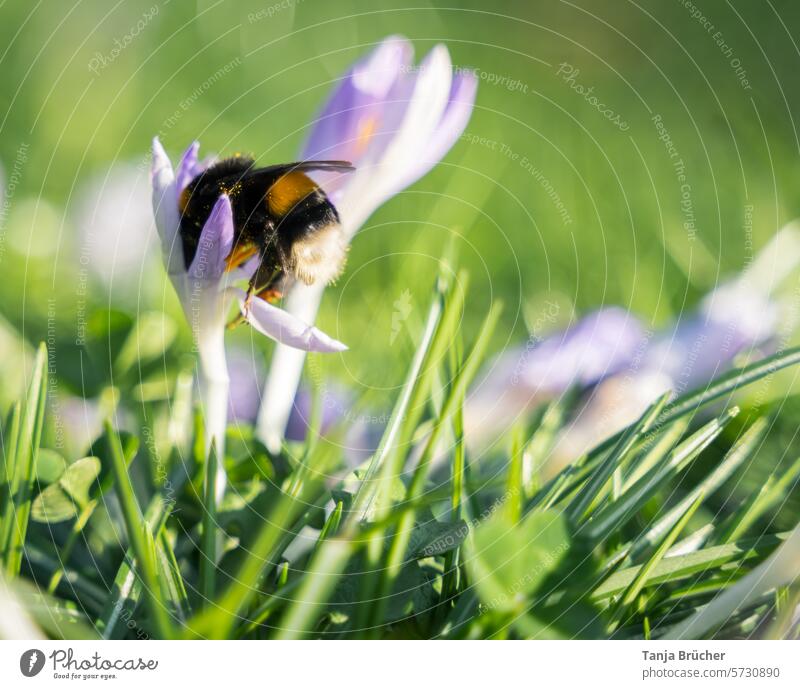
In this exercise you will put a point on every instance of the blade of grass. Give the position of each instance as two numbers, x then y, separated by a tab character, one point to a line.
674	568
10	444
514	477
632	500
331	525
443	320
399	545
627	440
135	526
452	559
635	588
126	590
771	494
661	447
734	458
170	571
780	569
542	442
25	457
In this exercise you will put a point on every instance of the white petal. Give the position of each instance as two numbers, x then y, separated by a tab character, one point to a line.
283	327
165	209
286	369
370	186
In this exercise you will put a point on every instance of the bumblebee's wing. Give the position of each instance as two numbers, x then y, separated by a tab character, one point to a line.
285	186
276	171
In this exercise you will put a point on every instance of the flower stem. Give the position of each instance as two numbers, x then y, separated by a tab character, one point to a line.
285	370
214	388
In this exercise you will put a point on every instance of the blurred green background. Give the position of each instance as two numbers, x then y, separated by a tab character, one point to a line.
544	199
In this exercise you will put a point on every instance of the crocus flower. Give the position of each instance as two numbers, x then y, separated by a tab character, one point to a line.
394	121
206	290
741	317
363	430
625	367
246	371
521	379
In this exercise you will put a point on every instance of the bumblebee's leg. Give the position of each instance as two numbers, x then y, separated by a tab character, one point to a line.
266	289
265	281
272	293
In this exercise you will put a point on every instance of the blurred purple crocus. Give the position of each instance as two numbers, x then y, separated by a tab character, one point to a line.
394	121
516	382
206	290
362	430
628	367
740	318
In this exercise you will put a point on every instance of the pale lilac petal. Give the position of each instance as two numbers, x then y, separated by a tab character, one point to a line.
165	209
451	126
338	408
375	73
216	241
600	344
161	172
414	134
244	271
281	326
245	371
374	183
355	109
188	168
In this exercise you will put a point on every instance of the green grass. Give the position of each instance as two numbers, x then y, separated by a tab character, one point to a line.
619	544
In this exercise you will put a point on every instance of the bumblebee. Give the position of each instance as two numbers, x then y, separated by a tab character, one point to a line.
280	215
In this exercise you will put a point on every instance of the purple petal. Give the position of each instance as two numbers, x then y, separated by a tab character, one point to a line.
598	345
376	73
697	349
246	374
334	406
355	110
451	126
281	326
161	173
401	155
165	209
216	241
188	168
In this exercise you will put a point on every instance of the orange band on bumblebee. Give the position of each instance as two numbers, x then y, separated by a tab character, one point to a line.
240	254
288	191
